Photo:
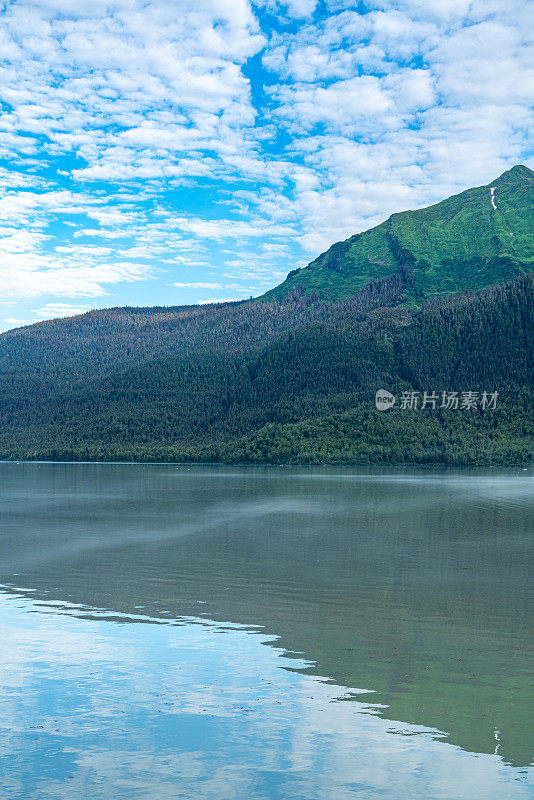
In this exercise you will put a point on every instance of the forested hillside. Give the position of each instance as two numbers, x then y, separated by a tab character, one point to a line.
290	381
480	237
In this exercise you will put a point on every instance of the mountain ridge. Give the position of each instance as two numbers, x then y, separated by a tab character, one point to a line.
289	382
479	237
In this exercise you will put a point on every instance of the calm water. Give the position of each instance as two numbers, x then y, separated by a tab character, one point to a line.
221	633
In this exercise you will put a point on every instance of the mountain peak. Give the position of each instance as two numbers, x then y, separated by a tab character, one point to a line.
477	238
516	174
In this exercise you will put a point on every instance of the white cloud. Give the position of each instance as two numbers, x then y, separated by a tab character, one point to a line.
59	310
228	228
15	322
199	285
32	263
294	9
216	300
132	87
24	275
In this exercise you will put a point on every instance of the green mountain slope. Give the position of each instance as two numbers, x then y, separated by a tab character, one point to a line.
273	382
477	238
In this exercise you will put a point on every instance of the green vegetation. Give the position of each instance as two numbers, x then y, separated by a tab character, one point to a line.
366	436
462	243
274	382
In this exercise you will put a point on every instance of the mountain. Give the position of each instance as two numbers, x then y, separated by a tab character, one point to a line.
477	238
284	382
292	379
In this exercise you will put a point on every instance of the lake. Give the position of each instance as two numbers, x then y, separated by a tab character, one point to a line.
265	633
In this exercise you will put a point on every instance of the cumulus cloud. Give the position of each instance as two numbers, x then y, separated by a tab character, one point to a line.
294	9
129	87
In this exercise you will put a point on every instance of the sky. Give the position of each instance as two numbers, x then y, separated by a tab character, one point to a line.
158	152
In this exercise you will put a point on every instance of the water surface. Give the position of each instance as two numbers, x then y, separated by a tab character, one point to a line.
266	633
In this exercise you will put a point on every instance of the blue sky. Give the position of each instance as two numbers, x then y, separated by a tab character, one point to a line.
161	153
